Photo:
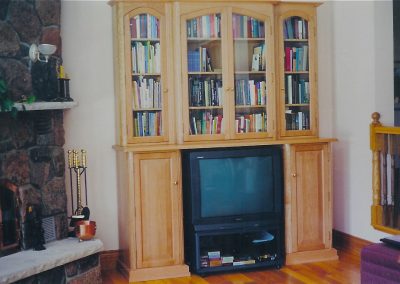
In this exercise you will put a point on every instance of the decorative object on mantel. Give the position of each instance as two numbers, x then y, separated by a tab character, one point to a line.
63	86
46	50
34	228
77	164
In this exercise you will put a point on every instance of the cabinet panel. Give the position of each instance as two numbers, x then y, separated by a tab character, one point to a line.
227	63
253	64
308	204
310	199
297	70
204	67
157	207
147	86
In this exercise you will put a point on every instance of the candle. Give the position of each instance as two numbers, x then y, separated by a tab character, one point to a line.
83	158
69	158
61	73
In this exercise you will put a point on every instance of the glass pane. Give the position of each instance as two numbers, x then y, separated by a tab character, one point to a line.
297	84
204	67
250	74
146	75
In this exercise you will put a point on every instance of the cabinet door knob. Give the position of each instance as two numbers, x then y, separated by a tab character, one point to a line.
165	90
176	182
294	175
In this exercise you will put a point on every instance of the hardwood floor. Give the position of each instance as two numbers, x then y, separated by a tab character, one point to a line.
345	270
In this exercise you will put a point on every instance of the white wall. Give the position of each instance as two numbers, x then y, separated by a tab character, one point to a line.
355	79
361	71
86	30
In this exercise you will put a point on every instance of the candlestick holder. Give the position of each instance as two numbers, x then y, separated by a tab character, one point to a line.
77	164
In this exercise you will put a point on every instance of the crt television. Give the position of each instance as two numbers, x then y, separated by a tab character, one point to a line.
228	185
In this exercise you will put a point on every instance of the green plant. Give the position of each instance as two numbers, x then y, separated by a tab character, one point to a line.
6	104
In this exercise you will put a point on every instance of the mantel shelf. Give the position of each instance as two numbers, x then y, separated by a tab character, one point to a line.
44	106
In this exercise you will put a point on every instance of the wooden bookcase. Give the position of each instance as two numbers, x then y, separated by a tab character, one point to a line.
203	74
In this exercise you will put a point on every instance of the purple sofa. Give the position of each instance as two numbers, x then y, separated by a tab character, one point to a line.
380	263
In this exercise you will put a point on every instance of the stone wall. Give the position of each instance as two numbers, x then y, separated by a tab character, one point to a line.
31	145
21	24
84	270
32	157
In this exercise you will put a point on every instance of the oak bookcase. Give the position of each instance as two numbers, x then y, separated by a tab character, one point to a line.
200	74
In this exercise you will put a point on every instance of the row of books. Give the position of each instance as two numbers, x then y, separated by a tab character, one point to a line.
147	93
295	28
297	120
258	58
147	123
247	27
144	26
146	57
205	92
251	123
296	58
207	26
215	259
297	90
204	122
199	60
250	92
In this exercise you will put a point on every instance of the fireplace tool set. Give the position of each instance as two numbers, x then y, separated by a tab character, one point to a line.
84	229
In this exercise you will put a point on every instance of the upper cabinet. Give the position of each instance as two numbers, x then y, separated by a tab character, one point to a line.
144	73
227	65
189	71
297	70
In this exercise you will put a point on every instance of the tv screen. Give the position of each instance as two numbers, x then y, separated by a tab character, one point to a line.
236	186
232	184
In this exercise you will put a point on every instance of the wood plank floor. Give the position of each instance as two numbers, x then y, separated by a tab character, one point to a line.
345	270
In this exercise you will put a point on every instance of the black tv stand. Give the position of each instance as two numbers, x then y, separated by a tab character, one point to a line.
233	247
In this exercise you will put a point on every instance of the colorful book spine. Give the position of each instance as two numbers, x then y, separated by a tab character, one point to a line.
246	123
205	92
146	57
205	122
250	92
147	124
207	26
295	28
144	26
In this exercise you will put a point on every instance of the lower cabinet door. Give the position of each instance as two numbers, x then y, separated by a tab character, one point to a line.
158	209
308	203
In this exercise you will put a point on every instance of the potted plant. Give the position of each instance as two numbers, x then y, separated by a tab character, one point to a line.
6	104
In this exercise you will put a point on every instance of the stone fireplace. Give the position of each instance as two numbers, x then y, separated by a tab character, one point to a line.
32	158
31	144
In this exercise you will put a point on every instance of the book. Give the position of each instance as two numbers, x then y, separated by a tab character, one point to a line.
392	241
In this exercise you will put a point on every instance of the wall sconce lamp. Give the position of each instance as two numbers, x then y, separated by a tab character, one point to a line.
46	50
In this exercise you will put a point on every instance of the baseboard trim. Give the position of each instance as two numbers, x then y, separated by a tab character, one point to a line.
348	244
108	259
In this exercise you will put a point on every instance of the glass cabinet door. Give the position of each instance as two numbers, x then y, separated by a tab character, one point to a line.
146	99
251	94
296	64
204	103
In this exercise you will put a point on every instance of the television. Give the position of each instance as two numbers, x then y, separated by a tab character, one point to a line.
230	185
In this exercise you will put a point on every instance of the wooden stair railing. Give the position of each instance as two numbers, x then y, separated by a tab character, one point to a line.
385	147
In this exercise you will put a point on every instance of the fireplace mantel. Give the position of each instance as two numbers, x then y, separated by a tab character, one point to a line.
45	106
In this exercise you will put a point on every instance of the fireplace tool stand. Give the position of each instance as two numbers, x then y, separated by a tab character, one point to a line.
77	163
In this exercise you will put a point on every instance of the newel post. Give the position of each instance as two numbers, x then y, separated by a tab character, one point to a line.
376	209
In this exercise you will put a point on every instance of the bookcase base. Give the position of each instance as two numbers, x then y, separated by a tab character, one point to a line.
311	256
155	273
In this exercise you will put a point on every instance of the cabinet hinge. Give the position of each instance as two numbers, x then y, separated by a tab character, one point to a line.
330	235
